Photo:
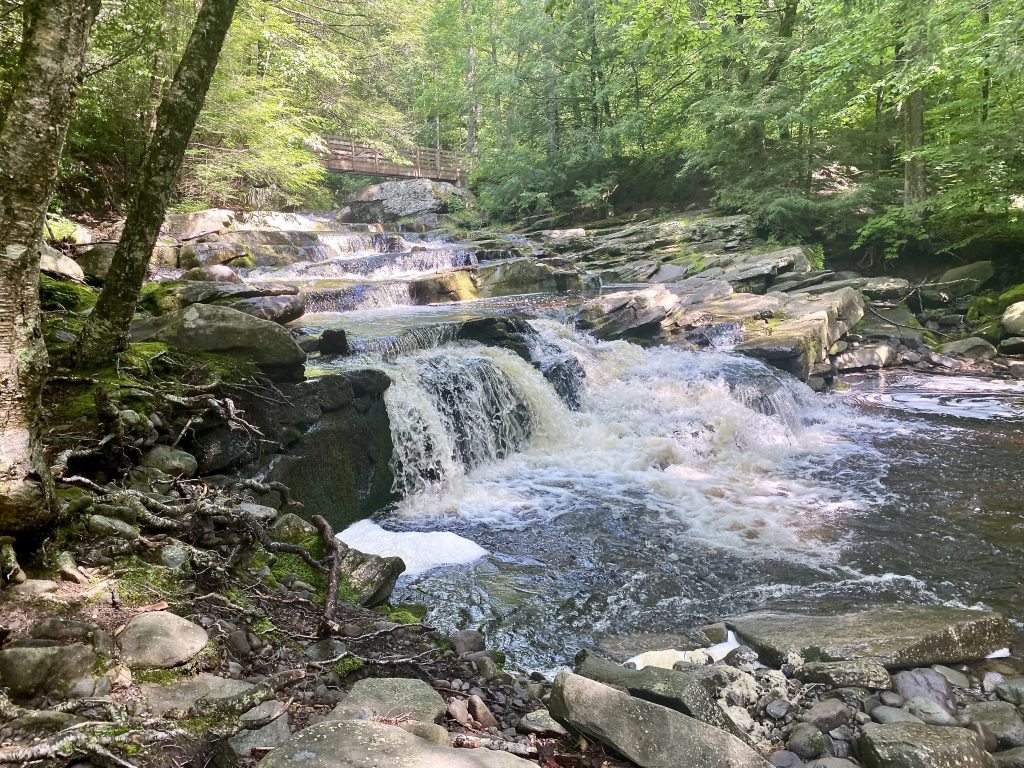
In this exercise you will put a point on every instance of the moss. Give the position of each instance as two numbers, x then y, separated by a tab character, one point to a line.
159	298
227	369
160	676
1011	296
63	294
142	583
405	613
982	308
347	666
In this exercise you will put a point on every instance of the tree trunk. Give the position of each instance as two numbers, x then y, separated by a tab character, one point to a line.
32	137
107	330
473	105
914	191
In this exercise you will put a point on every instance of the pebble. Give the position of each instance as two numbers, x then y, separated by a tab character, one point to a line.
777	709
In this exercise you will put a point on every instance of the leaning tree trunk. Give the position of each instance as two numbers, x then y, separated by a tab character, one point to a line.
107	330
31	140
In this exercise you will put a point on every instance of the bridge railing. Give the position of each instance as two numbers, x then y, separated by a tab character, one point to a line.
348	156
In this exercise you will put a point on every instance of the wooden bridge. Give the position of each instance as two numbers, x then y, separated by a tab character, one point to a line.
347	156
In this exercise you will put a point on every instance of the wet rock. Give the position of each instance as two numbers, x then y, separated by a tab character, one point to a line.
184	693
365	743
512	277
777	709
786	759
468	641
1011	758
895	637
807	741
650	735
1011	690
863	673
276	309
908	745
160	639
398	696
170	461
628	313
333	341
1002	719
26	671
870	356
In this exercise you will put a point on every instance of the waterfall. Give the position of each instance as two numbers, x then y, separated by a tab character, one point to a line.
361	296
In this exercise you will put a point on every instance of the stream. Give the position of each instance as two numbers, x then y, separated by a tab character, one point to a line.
686	486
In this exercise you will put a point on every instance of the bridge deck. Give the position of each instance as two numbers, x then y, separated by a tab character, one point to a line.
347	156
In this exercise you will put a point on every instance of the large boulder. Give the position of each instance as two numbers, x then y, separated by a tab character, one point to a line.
629	313
167	297
394	200
160	639
398	697
209	328
692	691
26	671
1013	319
526	275
182	694
972	348
372	577
56	264
907	636
910	745
277	309
957	282
95	260
650	735
370	744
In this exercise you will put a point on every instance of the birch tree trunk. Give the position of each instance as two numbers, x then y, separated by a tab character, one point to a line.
106	331
32	137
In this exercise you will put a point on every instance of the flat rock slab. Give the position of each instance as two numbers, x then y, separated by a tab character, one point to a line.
185	693
908	745
908	636
160	639
650	735
398	697
369	744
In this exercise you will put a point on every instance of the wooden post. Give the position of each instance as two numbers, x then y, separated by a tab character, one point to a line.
418	171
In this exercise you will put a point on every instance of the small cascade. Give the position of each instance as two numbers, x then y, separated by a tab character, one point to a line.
346	298
410	340
391	264
457	408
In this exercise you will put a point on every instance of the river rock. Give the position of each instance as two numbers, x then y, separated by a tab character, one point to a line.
110	527
927	684
828	714
170	297
954	677
628	313
26	671
650	735
1002	719
95	260
171	461
807	741
56	264
1011	690
860	673
692	691
468	641
908	745
972	348
398	697
881	355
1011	758
929	712
525	275
394	200
1013	319
886	715
269	736
896	637
542	723
277	309
372	577
209	328
182	694
214	273
478	709
369	744
160	639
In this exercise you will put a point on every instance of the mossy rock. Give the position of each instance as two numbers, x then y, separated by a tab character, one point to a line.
1010	296
63	294
983	308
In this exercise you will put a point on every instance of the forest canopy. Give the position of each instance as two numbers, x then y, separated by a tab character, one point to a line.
880	124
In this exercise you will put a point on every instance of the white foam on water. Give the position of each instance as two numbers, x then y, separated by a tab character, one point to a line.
709	444
420	551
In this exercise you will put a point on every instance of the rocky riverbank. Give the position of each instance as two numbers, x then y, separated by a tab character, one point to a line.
186	614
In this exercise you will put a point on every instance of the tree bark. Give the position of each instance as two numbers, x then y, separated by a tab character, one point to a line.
32	135
107	330
914	190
